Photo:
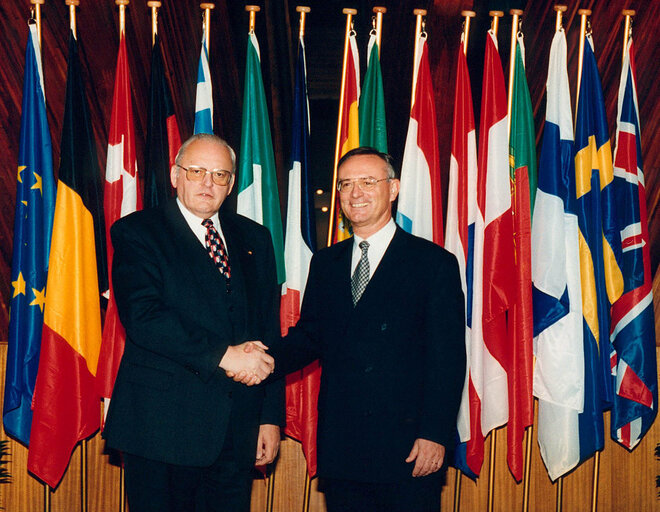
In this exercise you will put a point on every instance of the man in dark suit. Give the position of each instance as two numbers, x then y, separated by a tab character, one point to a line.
191	293
384	312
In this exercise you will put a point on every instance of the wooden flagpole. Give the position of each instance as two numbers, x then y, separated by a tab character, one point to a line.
72	16
516	13
496	15
464	38
154	4
560	10
627	30
349	28
420	25
379	25
207	7
583	31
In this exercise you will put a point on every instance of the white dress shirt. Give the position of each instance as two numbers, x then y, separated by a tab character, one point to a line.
378	244
197	228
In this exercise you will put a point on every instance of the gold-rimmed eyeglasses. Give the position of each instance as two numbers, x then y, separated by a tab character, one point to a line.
220	177
364	184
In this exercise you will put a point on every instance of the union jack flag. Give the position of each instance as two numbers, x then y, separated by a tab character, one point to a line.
632	330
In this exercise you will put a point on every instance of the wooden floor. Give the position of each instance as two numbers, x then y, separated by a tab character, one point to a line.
626	481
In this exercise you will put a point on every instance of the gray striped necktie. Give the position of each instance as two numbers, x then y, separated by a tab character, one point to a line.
360	277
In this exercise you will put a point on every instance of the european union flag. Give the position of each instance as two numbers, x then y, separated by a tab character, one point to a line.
600	250
33	222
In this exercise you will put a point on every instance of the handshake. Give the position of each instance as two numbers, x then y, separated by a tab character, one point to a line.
248	363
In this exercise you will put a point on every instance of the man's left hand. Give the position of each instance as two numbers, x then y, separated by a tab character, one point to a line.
428	457
268	444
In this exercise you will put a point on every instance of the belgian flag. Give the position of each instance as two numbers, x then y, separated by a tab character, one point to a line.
66	401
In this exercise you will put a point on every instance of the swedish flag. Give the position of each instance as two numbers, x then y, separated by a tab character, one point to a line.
33	222
600	250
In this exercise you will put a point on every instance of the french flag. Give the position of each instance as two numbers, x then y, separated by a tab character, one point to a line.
420	198
302	387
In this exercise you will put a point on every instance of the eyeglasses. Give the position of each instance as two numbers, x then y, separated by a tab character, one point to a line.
219	176
364	184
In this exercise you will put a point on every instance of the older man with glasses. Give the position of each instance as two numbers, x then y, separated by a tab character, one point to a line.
193	286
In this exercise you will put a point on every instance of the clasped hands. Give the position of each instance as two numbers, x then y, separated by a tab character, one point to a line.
247	363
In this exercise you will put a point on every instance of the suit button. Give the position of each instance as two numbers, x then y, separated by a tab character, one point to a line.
383	327
231	309
368	369
368	413
229	394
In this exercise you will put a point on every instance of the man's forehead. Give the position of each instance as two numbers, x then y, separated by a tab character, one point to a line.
207	150
366	165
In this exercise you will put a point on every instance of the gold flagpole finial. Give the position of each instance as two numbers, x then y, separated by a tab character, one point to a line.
379	11
122	15
154	4
560	9
627	30
516	13
583	32
207	7
466	31
496	15
303	10
253	10
72	15
419	15
37	16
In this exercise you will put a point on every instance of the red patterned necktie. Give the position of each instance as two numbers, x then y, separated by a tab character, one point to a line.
216	248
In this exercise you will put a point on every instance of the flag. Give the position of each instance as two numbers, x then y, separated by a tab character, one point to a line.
349	128
33	224
302	387
373	131
163	139
600	250
419	208
633	325
461	218
258	198
490	354
66	403
121	197
557	300
204	96
522	169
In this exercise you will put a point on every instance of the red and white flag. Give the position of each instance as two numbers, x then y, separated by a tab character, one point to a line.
419	208
121	197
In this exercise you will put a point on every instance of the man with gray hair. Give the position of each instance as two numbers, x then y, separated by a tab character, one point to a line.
193	286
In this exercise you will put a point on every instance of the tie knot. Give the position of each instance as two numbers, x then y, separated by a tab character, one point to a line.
364	245
207	223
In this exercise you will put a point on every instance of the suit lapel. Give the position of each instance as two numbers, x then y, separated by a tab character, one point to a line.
197	267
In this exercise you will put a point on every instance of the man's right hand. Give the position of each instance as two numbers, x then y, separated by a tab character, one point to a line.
250	360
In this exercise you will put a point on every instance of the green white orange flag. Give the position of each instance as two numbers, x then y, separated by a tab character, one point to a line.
258	198
373	131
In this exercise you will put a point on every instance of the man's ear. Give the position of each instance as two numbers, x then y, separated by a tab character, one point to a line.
174	175
395	185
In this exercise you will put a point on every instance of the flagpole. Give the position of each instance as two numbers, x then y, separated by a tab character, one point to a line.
206	7
253	10
559	9
379	24
516	13
496	15
349	28
303	10
419	29
583	30
154	4
467	15
36	13
72	16
627	30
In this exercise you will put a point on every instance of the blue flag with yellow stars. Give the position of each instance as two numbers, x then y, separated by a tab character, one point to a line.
33	222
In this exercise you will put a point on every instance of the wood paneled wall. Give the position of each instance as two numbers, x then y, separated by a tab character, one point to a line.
626	484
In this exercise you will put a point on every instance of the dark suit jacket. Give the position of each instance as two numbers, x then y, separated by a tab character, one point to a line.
171	402
393	367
